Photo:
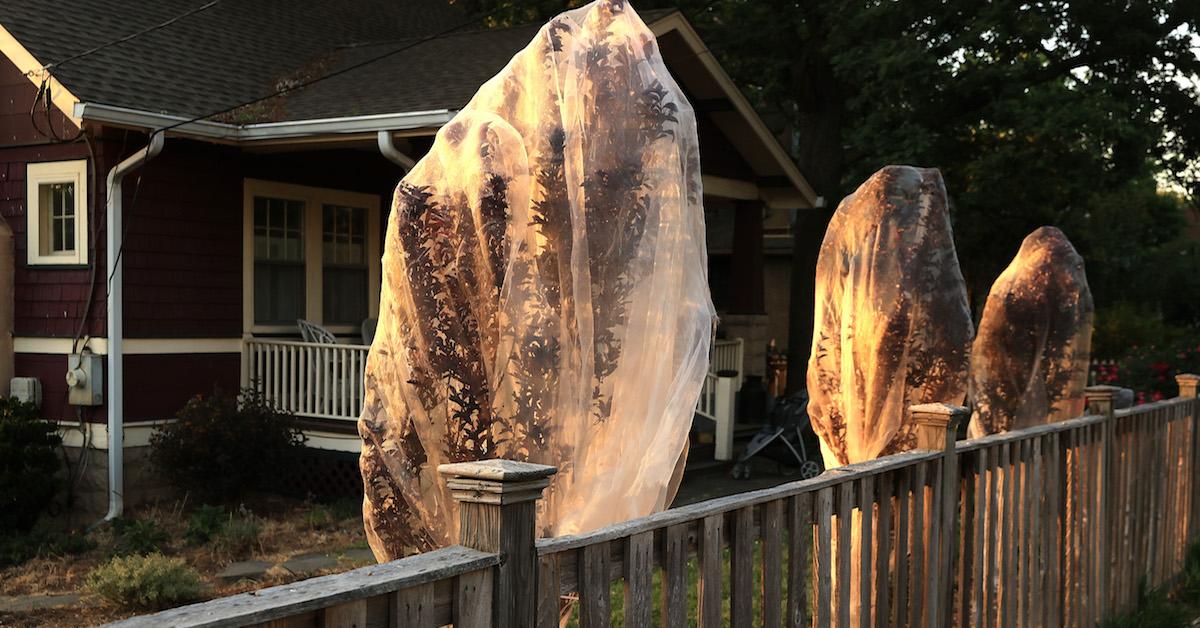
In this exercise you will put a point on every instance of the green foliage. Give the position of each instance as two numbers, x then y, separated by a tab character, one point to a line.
220	446
27	465
238	537
137	536
1163	608
145	582
1122	328
42	542
205	523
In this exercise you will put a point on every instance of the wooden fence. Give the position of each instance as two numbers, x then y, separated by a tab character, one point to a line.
1058	524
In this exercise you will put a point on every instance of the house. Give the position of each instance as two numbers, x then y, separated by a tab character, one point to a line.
119	131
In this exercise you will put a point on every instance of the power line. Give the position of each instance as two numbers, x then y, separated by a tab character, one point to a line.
350	68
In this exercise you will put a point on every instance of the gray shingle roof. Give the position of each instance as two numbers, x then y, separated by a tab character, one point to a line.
239	50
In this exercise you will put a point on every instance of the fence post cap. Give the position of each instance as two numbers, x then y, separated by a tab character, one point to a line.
497	470
1101	391
496	481
936	412
1187	377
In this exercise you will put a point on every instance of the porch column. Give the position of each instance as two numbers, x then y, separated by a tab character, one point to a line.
746	268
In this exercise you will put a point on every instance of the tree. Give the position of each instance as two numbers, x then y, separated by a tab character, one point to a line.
1051	112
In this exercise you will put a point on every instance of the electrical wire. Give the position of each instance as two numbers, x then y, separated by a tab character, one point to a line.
287	90
131	36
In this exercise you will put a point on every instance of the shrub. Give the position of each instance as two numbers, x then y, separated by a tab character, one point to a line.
145	582
1150	371
18	548
137	536
220	446
205	523
27	465
238	537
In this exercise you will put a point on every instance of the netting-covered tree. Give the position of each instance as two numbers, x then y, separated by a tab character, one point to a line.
892	326
1029	362
545	291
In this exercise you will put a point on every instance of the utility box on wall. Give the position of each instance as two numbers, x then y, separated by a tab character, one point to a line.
85	379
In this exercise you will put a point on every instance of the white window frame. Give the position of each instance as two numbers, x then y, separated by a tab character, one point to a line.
314	199
49	172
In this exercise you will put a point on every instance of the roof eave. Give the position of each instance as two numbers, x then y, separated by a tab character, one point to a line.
259	132
802	190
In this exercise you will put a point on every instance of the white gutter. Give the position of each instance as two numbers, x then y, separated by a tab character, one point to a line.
122	116
387	146
116	379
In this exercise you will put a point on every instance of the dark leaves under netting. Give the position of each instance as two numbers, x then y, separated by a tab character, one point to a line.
544	293
892	326
1029	362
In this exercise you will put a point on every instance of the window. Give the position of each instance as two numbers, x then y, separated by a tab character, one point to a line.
310	253
344	252
56	193
278	260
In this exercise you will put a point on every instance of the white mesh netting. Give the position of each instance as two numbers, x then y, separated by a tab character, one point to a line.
1029	363
892	326
545	291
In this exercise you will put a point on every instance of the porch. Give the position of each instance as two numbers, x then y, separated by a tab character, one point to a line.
323	381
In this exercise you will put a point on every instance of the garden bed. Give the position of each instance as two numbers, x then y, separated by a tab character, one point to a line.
290	539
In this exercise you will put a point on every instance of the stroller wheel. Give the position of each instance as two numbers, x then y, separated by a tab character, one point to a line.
741	471
809	469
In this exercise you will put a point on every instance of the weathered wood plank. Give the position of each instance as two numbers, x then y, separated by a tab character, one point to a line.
903	519
322	592
845	547
824	575
883	556
866	506
741	568
772	564
594	603
675	577
414	607
639	585
800	517
473	600
918	576
709	586
549	602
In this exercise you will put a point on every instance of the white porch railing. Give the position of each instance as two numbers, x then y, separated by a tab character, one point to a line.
325	381
729	355
314	380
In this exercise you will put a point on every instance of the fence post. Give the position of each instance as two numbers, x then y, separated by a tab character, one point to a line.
937	428
1188	384
1100	400
498	513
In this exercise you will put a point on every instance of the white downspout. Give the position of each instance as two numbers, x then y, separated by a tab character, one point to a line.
115	380
387	146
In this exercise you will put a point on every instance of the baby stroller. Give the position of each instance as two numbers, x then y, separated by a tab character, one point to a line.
785	422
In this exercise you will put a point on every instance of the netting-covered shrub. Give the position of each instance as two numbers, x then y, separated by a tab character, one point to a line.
28	463
544	290
220	446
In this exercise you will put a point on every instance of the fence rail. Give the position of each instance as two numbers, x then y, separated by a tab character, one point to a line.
1059	524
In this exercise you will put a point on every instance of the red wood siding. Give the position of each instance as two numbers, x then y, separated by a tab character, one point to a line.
183	251
157	386
49	301
50	370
